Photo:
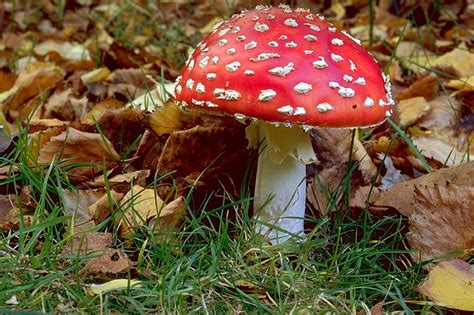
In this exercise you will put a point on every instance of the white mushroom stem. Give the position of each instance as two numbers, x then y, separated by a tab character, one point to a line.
280	188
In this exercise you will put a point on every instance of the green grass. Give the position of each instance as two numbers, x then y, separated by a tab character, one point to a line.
346	264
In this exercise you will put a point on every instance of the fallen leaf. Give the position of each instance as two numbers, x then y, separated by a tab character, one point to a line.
88	243
102	208
64	106
440	150
442	220
169	217
112	285
29	84
6	212
166	119
460	59
76	204
402	195
450	284
426	87
94	115
67	50
412	109
96	75
112	263
13	300
35	125
87	152
136	208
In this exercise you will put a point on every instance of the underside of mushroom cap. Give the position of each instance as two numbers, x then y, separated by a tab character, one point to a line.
287	66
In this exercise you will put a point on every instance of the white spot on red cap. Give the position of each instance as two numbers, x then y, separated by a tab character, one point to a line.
200	88
388	113
211	104
270	17
215	60
197	102
223	31
347	78
255	18
291	22
236	29
336	58
324	107
233	66
273	44
179	88
302	88
204	61
299	111
266	95
228	95
291	45
310	38
337	42
282	71
261	27
353	66
310	17
308	52
346	92
283	37
313	27
222	42
191	65
240	38
332	29
249	72
321	63
250	45
211	76
231	51
333	84
265	56
189	83
360	81
369	102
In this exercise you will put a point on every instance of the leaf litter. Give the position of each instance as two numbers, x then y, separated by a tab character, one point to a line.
70	83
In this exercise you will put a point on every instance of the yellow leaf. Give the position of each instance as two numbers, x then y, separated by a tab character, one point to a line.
451	284
114	285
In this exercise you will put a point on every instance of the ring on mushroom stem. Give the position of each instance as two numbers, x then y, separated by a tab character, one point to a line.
288	70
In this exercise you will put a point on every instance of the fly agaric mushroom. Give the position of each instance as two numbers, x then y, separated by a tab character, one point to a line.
286	70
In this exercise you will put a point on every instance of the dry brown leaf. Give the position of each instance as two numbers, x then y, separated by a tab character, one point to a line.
425	87
102	208
74	146
137	177
112	263
76	204
192	151
148	152
166	119
96	75
7	80
441	151
361	196
460	59
36	125
94	115
28	85
450	284
64	106
7	212
136	208
67	50
122	126
402	195
169	218
320	191
87	243
443	114
442	220
412	109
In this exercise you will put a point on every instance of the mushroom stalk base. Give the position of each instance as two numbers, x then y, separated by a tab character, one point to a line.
280	197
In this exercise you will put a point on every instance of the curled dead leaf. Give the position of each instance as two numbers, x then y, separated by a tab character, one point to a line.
410	110
112	263
136	208
76	204
86	153
450	284
442	220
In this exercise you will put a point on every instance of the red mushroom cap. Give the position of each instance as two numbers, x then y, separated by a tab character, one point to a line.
285	65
